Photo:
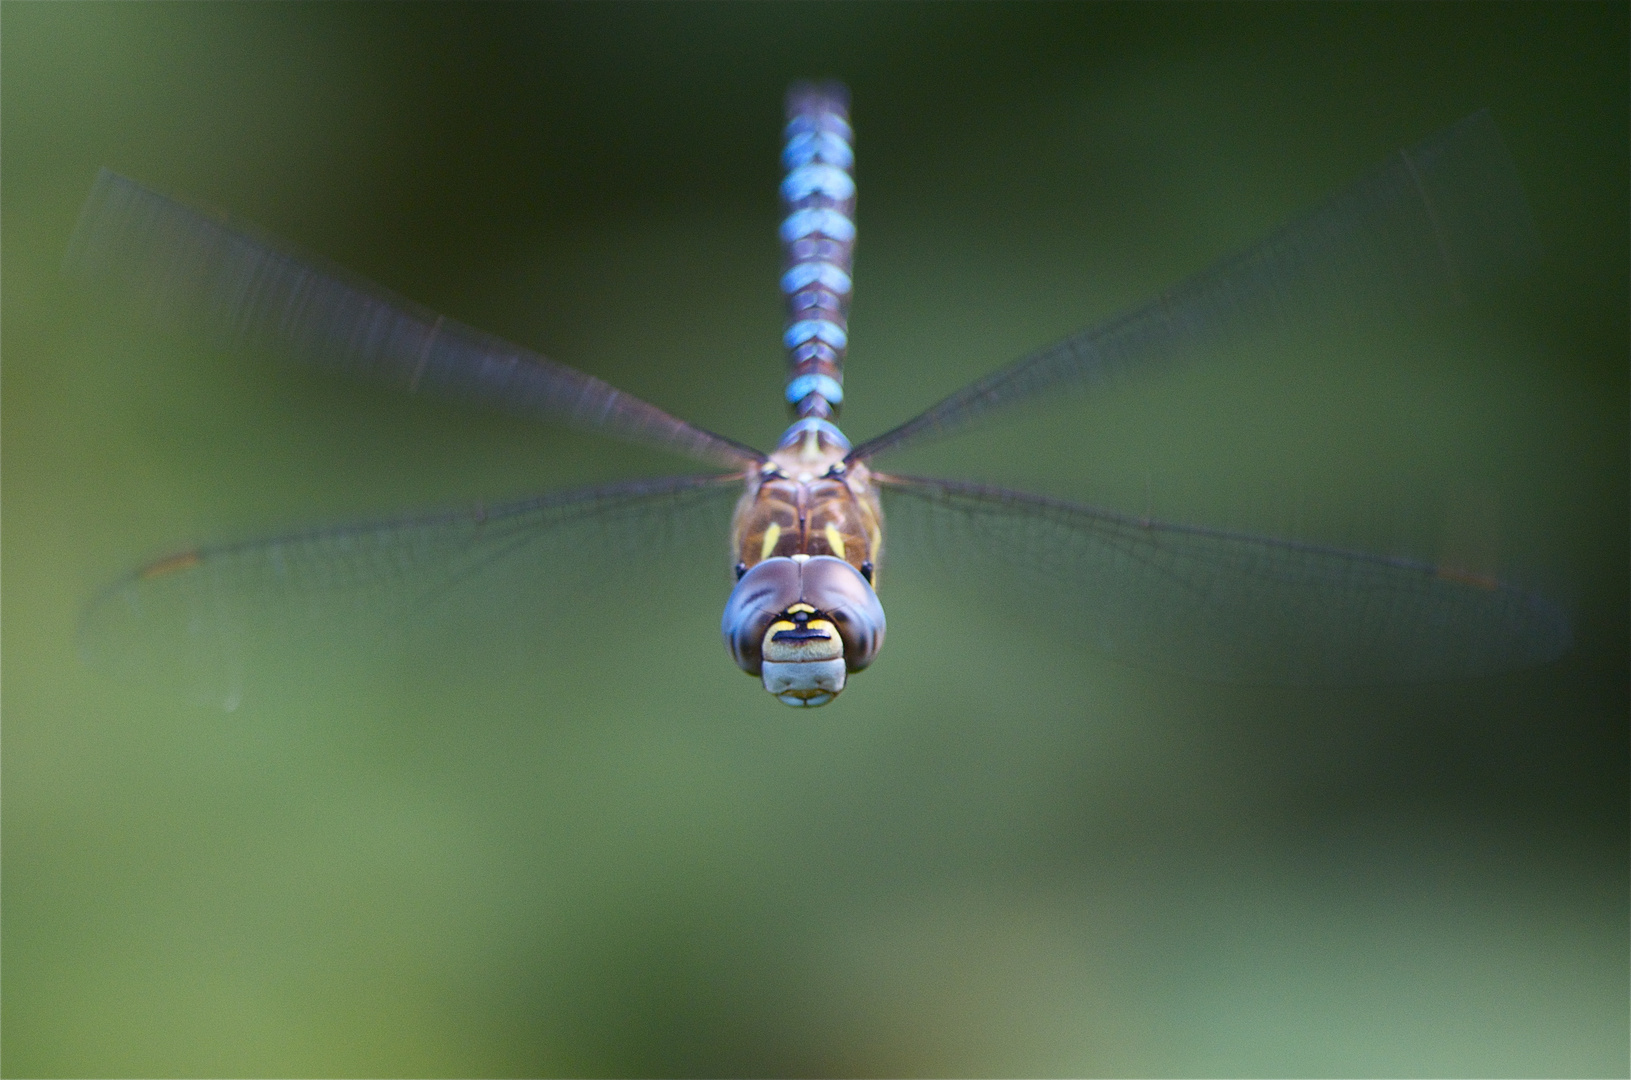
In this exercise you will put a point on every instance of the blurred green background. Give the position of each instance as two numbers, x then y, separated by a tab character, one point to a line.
994	855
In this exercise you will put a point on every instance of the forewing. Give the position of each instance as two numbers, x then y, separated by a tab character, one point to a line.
215	619
1213	604
183	267
1441	222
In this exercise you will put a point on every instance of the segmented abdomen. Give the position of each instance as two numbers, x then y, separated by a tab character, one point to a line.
818	236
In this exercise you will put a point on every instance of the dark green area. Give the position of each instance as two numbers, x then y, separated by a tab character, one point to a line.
604	851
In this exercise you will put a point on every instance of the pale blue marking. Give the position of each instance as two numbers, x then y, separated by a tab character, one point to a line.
813	298
820	120
808	180
822	219
805	385
808	146
821	329
800	150
813	350
826	273
836	151
795	432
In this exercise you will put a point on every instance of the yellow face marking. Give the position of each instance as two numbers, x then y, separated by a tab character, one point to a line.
829	648
801	606
184	561
834	540
772	534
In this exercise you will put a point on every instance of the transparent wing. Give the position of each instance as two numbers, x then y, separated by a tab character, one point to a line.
242	291
207	617
1441	222
1218	605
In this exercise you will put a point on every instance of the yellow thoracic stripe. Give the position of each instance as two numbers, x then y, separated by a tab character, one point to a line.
835	540
772	534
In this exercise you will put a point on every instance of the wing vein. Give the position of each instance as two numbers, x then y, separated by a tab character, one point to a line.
1427	229
243	291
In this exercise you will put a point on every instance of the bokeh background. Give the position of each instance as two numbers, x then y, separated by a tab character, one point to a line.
995	854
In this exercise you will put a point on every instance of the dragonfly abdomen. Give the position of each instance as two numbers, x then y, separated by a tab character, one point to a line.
818	239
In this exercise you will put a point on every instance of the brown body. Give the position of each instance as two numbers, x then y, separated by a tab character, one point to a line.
798	504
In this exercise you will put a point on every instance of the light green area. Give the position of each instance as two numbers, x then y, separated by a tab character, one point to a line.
588	845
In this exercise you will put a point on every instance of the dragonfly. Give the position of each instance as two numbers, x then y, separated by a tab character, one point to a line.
804	525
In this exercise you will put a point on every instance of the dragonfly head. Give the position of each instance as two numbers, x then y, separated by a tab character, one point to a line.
802	624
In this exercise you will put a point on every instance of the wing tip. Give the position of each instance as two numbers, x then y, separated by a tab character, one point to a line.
170	564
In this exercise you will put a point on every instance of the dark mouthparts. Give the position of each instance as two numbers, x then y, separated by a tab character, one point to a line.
803	633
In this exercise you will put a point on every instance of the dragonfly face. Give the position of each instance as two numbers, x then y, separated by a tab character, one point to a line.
802	623
808	533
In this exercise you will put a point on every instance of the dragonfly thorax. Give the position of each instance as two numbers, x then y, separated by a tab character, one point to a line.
807	500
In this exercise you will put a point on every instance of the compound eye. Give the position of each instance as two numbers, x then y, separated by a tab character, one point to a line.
761	596
840	592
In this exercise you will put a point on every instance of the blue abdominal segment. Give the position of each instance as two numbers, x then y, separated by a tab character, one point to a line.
818	236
